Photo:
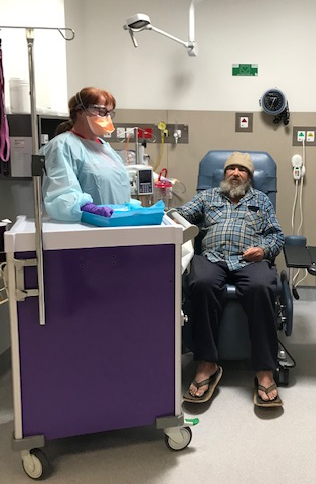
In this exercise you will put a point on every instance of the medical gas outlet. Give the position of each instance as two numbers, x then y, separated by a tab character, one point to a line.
304	135
163	128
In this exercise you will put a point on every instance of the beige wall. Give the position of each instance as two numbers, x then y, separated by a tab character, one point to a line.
216	130
278	36
158	81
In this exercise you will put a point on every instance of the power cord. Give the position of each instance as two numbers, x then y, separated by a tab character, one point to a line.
298	164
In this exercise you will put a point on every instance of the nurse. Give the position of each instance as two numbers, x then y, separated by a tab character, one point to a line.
82	169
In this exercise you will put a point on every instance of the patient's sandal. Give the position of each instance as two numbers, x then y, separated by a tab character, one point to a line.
259	402
212	384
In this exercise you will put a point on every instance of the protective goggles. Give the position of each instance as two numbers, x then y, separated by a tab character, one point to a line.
98	110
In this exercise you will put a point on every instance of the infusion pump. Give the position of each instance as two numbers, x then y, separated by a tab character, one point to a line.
141	180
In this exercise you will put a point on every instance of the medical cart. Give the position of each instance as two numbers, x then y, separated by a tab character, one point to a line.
108	355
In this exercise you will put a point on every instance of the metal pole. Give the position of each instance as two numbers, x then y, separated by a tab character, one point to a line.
38	161
37	181
30	43
64	31
136	146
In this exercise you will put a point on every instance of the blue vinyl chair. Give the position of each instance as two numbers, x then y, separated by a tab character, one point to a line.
234	341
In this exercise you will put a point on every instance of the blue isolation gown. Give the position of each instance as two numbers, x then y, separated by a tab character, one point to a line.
79	171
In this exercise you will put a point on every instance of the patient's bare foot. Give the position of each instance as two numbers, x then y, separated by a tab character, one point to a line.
265	378
204	371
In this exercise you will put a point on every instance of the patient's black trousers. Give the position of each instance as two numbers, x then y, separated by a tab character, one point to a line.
256	290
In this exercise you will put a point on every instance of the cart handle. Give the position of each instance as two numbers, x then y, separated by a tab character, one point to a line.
190	231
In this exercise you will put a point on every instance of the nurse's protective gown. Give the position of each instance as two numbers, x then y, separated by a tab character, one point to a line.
79	171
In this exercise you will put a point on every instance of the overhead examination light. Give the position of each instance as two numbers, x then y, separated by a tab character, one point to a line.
138	22
141	21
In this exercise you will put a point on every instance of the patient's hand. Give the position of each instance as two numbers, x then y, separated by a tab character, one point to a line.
253	254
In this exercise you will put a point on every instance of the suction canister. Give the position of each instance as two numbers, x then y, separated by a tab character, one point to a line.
163	188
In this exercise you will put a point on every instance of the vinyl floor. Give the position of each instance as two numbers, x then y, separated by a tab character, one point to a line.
234	442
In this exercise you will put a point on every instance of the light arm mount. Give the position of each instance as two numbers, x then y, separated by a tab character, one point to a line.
141	21
190	45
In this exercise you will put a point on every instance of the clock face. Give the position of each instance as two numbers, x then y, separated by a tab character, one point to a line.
273	101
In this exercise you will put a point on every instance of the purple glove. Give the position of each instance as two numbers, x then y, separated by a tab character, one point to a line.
97	210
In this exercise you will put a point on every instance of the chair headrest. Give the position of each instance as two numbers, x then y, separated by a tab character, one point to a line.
211	171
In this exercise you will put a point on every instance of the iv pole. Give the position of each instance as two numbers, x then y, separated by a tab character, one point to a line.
38	162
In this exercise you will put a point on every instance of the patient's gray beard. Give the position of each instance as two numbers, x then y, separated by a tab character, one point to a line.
234	191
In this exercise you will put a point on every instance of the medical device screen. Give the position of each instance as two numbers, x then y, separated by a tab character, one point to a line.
145	182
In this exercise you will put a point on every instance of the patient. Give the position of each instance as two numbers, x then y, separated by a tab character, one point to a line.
242	239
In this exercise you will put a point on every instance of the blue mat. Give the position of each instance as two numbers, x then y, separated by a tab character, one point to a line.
127	215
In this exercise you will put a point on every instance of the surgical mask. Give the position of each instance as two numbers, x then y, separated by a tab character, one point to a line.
100	126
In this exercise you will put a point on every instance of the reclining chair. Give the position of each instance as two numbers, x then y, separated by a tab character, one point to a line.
234	341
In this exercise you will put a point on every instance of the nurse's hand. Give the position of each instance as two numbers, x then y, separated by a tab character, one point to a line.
97	210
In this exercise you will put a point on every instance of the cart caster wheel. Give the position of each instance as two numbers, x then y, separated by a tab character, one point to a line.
35	464
186	434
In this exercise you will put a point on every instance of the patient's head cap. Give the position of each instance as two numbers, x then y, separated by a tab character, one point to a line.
240	159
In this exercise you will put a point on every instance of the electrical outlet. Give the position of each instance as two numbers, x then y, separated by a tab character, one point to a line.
151	132
130	132
120	133
148	133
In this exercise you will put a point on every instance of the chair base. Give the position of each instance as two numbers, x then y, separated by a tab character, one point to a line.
285	363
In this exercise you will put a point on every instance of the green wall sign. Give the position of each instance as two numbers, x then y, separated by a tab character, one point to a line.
244	69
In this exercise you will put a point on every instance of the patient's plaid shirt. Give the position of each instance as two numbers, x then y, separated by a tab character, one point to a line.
231	229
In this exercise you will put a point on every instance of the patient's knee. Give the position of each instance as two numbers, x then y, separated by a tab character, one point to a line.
203	285
258	288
